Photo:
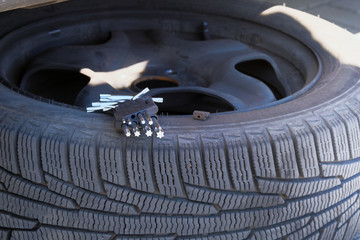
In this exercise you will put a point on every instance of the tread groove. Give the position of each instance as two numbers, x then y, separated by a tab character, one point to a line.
29	150
284	153
191	163
84	161
9	128
351	124
239	163
338	136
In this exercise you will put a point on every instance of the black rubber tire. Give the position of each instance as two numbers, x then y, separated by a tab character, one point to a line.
289	171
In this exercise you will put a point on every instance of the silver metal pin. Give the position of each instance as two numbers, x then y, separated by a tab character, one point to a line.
133	126
142	119
126	130
158	129
148	118
145	90
147	130
135	130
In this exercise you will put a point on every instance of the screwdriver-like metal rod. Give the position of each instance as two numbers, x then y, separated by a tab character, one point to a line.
135	130
134	127
142	119
126	130
148	118
144	125
147	130
157	128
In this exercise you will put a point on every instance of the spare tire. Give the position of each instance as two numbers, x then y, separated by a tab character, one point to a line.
288	168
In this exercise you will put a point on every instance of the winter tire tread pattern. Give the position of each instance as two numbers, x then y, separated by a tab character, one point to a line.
68	183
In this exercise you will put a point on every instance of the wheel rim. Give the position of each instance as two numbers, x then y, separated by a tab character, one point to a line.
229	74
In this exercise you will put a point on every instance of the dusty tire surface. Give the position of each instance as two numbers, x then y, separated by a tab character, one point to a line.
289	171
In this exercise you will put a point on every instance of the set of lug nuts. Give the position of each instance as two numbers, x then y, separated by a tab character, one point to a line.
145	122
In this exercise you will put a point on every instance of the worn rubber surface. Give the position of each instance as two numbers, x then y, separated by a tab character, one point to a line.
291	171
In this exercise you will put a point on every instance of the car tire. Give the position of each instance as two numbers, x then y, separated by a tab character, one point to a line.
290	170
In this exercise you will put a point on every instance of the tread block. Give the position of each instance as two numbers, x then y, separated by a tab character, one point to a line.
348	213
323	142
261	154
84	161
323	218
232	200
352	226
346	169
297	188
45	233
22	187
10	221
339	233
190	162
303	232
54	151
149	224
357	231
183	225
139	165
89	200
239	235
9	127
166	169
284	153
111	158
169	237
327	232
339	136
149	203
146	224
337	199
48	215
313	236
352	125
305	150
239	163
280	230
4	234
316	203
29	154
215	162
